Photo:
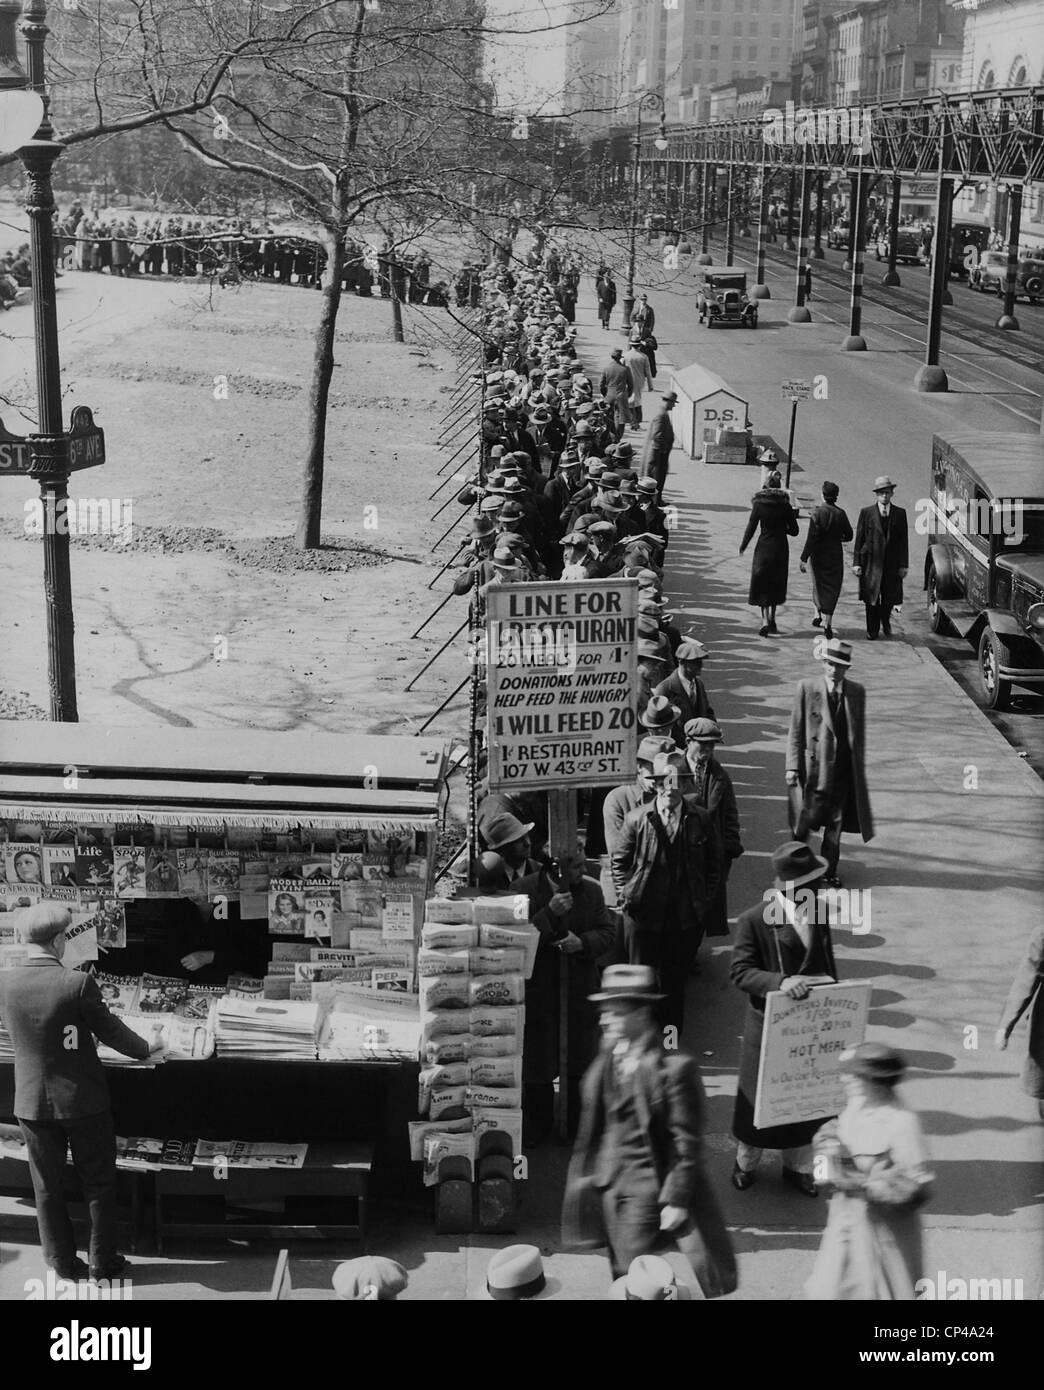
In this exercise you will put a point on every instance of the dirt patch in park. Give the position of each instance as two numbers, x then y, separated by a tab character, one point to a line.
208	615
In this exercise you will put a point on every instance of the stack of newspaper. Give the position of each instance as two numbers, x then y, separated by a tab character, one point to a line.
270	1030
360	1025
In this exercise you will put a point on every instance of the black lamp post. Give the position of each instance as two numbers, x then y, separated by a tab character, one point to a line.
49	446
650	101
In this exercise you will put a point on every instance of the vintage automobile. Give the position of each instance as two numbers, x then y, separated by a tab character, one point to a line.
984	567
989	273
722	298
969	239
837	236
907	246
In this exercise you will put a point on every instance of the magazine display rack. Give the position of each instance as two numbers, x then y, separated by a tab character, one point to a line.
304	1019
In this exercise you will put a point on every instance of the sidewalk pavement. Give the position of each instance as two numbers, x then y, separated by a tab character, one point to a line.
953	878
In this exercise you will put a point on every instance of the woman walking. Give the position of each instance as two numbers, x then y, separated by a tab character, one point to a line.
828	529
773	512
874	1158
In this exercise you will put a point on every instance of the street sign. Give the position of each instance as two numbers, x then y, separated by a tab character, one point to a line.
86	440
561	671
795	390
14	453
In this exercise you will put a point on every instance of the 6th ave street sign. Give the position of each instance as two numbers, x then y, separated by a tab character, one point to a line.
86	446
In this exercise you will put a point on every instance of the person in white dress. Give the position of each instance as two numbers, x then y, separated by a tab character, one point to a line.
874	1160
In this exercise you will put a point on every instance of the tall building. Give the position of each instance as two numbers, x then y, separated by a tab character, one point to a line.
593	66
880	50
711	42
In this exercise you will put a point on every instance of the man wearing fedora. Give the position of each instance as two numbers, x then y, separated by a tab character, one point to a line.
61	1096
615	387
638	1176
710	786
684	687
660	718
666	870
508	852
881	557
568	909
826	758
780	945
637	364
621	801
659	442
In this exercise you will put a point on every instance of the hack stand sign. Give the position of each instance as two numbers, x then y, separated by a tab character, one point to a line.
561	663
258	898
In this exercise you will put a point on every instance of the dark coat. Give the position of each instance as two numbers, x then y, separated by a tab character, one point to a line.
1027	992
606	293
617	806
674	689
764	955
44	1006
634	859
589	920
719	799
881	560
615	384
828	528
812	751
659	442
771	510
671	1109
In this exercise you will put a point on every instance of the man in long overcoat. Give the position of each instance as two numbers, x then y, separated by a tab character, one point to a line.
659	442
880	558
568	909
638	1173
615	386
826	757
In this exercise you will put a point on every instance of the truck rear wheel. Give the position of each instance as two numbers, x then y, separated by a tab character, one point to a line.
937	619
996	690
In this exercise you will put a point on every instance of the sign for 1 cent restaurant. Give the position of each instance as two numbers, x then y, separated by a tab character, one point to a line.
562	684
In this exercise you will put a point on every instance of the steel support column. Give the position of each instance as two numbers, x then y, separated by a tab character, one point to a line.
800	313
931	376
760	290
855	342
788	244
891	275
707	212
1007	317
817	247
730	211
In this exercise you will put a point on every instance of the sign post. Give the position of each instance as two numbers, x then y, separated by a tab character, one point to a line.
798	1077
561	671
794	391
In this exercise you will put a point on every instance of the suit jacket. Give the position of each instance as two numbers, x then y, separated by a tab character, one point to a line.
671	1107
720	800
881	560
812	752
641	376
618	805
766	953
616	383
660	439
633	860
53	1016
674	689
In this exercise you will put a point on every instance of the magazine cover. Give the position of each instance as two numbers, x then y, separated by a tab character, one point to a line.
285	907
59	866
192	873
288	866
398	917
177	1153
244	986
254	878
162	879
120	992
316	871
223	875
23	862
129	870
346	865
198	1002
319	912
364	900
110	918
14	896
161	994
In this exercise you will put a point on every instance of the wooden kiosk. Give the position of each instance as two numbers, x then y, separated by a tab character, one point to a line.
278	794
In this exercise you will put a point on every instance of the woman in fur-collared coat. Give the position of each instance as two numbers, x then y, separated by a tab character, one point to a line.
777	518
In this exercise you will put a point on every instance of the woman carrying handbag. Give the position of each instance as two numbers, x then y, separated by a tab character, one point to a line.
874	1160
